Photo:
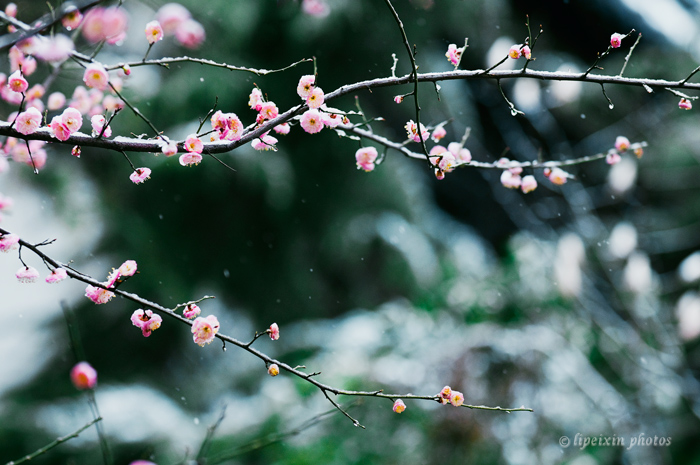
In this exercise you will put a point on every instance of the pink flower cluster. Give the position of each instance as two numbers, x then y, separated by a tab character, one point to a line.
226	126
194	147
146	321
17	149
413	134
520	50
176	20
101	295
511	179
447	394
204	330
447	159
65	124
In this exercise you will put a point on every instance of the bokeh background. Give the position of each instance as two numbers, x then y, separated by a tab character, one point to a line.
579	301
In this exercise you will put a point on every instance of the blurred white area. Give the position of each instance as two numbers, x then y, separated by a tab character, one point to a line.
29	307
623	240
571	255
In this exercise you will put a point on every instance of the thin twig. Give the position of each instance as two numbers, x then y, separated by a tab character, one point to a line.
414	73
53	444
204	448
629	54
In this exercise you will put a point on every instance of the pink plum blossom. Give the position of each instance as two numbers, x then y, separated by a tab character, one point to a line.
171	15
444	395
59	130
154	32
510	180
446	162
526	52
76	151
98	295
83	376
528	184
306	86
412	130
35	92
56	275
11	10
146	320
204	330
169	148
191	311
622	143
193	144
333	117
315	99
55	49
98	124
685	104
255	100
438	133
72	119
140	175
454	54
27	275
398	99
557	175
365	157
129	267
268	110
16	82
266	143
96	76
190	34
28	121
191	158
439	174
72	19
616	40
113	278
108	24
399	406
274	331
514	51
283	128
461	154
612	157
456	398
8	242
311	121
273	369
